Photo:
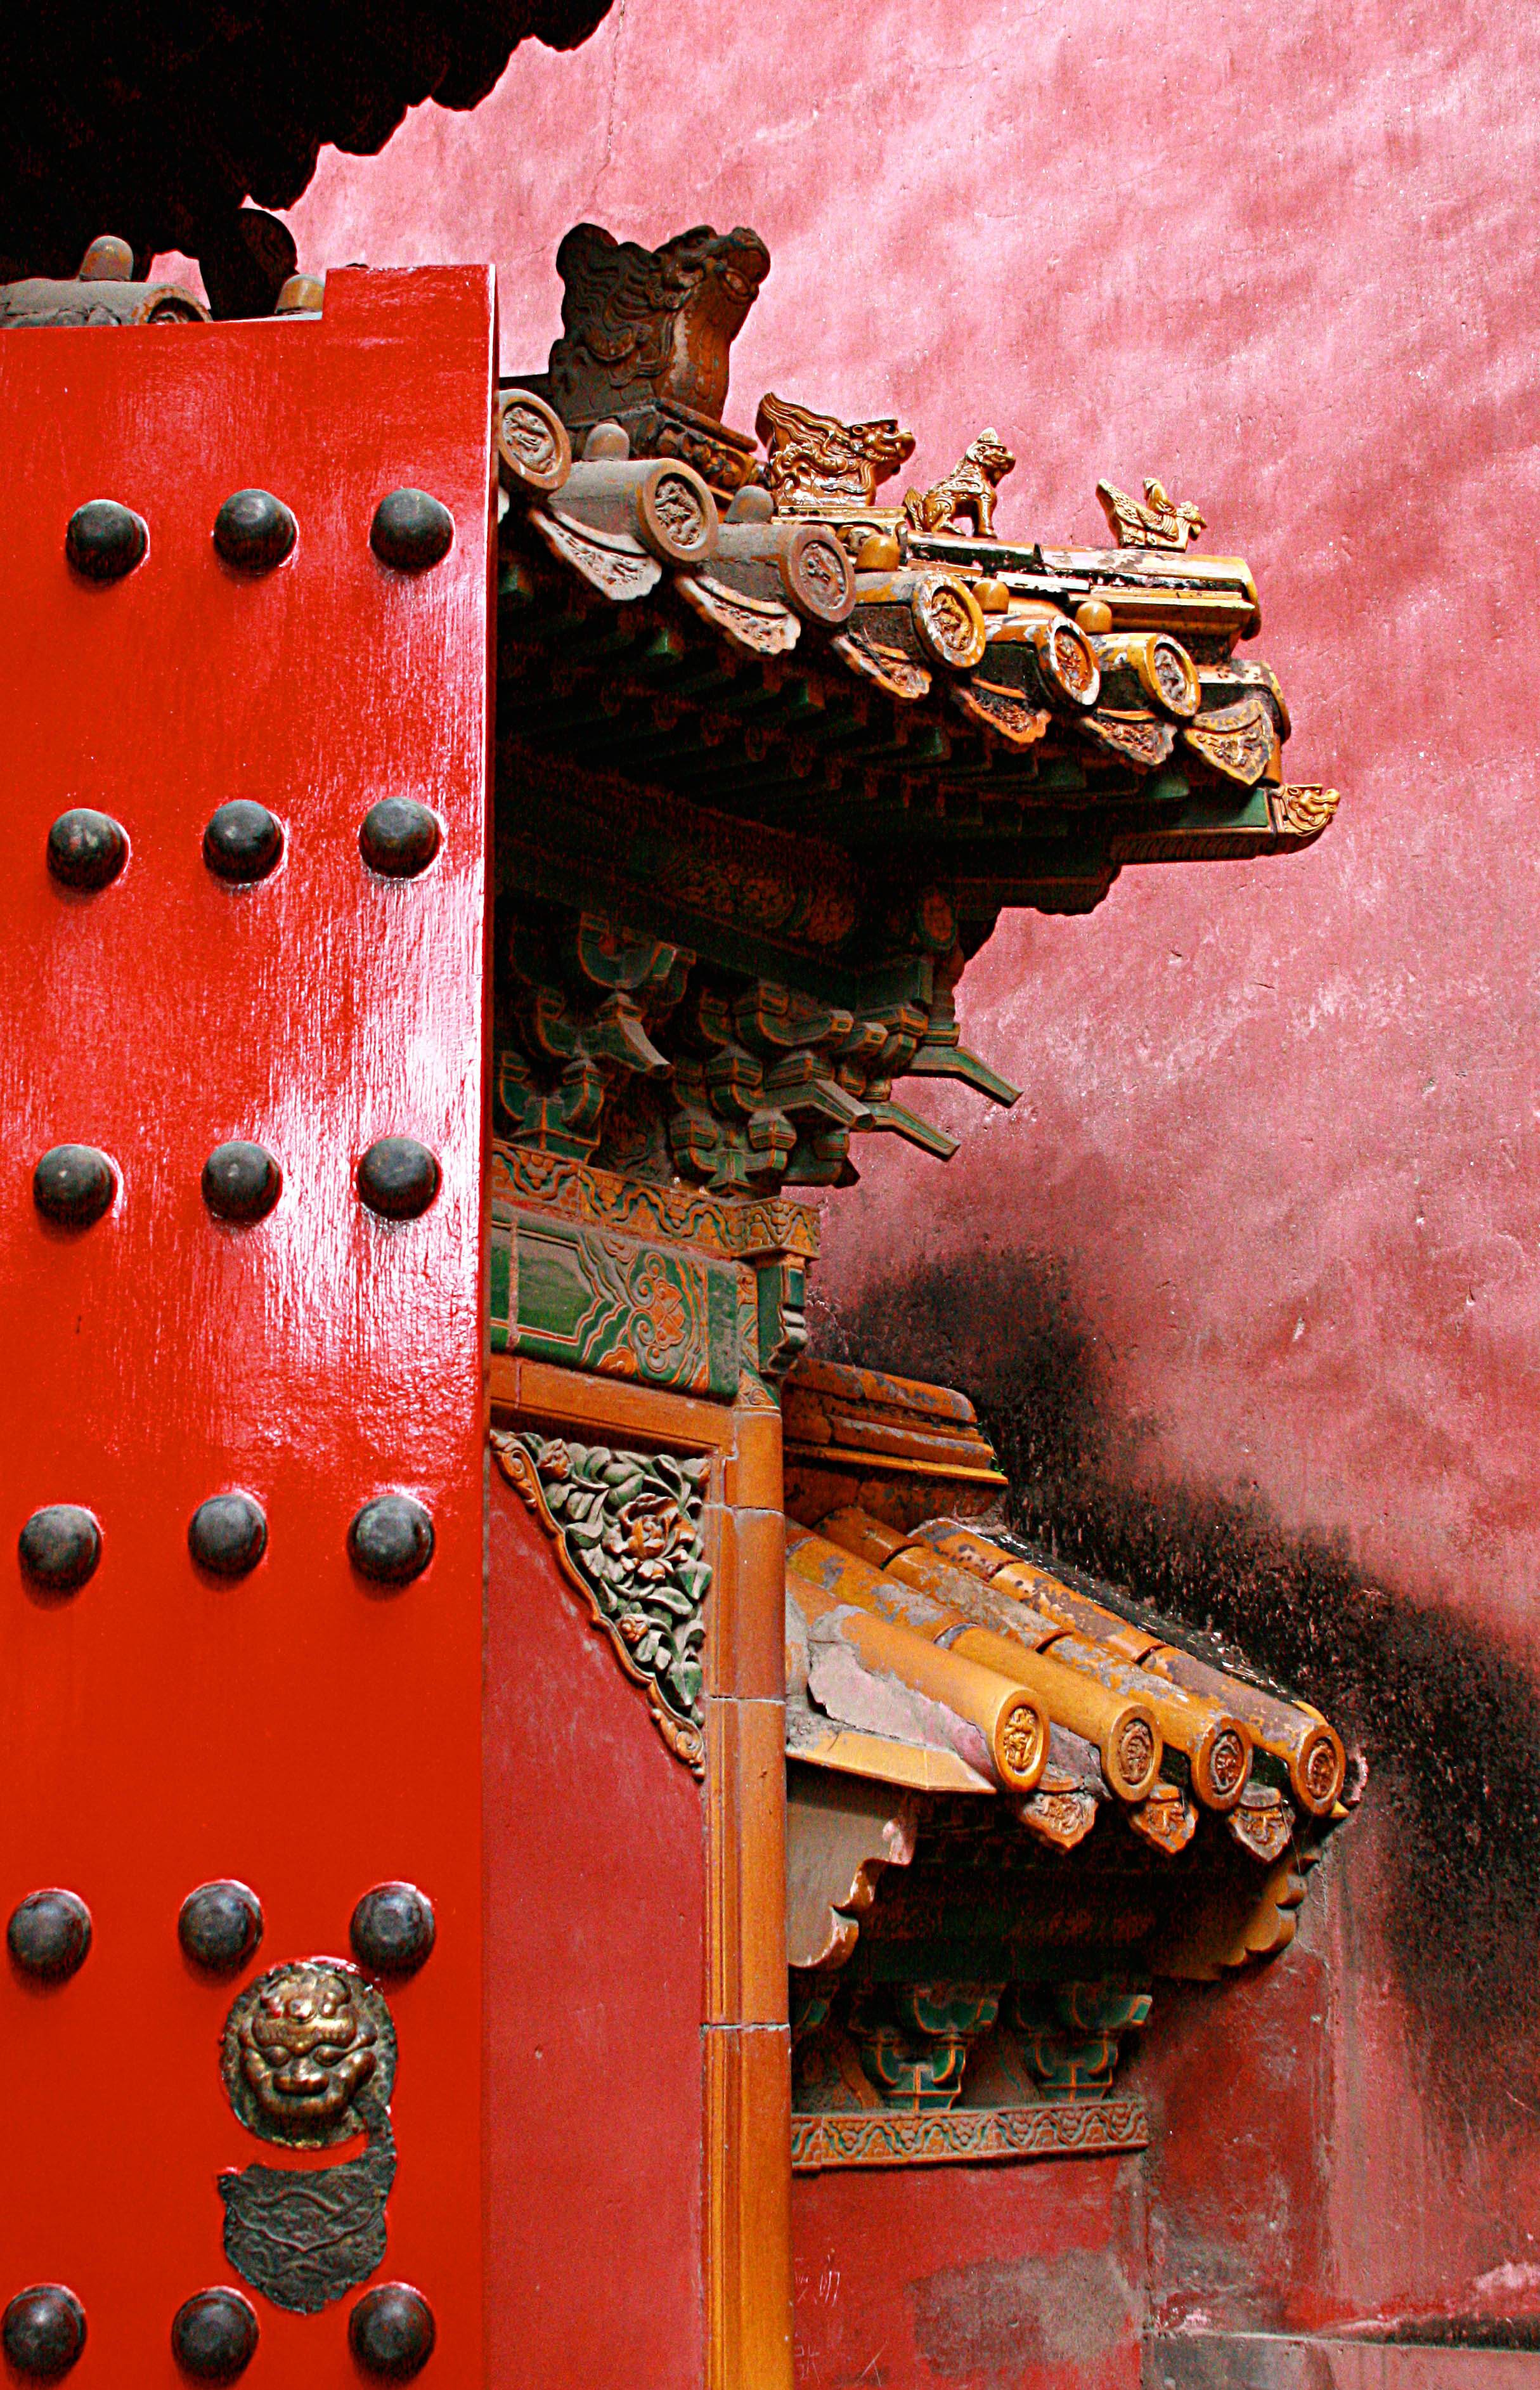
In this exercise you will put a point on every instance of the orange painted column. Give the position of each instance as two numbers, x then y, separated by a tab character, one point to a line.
639	2055
748	2040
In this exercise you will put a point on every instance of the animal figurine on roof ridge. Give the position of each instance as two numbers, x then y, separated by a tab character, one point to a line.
1159	523
970	488
815	459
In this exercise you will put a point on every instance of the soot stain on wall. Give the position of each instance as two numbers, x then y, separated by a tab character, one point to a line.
1445	1717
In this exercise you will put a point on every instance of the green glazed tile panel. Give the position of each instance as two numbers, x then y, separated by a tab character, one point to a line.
595	1301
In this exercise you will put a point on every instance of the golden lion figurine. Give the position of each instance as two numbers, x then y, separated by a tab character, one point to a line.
970	488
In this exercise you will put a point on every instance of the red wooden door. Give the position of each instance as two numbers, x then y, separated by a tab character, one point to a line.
283	1721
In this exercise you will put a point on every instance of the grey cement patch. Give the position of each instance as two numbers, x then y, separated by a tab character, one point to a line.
990	2321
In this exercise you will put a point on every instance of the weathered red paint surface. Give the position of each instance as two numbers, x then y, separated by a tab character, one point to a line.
1238	2078
293	1729
595	1941
1281	1122
980	2278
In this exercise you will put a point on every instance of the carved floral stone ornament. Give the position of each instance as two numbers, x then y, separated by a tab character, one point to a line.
309	2060
626	1527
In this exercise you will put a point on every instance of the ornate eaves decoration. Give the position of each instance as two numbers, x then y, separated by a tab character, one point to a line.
1184	1754
626	1527
807	743
1237	741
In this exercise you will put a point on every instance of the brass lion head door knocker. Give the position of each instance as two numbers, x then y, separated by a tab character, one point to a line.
309	2058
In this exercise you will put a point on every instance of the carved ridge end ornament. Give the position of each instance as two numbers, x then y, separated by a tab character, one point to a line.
1159	523
646	336
309	2060
626	1527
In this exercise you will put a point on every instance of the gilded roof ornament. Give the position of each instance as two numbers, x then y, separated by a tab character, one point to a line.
970	488
1305	811
817	462
1159	523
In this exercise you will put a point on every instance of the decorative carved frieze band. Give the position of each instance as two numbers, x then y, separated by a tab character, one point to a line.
966	2135
683	1216
626	1527
588	1300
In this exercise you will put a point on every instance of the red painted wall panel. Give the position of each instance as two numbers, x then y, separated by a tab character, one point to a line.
596	1926
981	2277
294	1730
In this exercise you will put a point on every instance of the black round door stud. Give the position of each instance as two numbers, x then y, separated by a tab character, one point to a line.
241	841
74	1184
254	531
392	1930
49	1934
398	1177
411	530
86	849
241	1182
60	1548
227	1535
219	1926
391	1541
104	540
392	2332
398	837
43	2332
213	2335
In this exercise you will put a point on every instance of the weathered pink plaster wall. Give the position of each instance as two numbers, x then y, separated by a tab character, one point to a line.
1281	1122
1285	1118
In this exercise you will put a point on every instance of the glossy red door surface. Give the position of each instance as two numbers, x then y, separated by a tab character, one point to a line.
295	1729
